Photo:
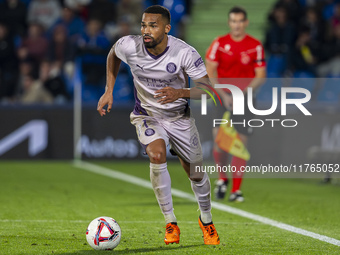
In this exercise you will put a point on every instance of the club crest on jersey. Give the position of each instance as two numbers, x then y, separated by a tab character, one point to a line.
194	142
149	132
171	67
245	59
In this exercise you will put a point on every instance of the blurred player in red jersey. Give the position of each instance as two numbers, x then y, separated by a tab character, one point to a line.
235	55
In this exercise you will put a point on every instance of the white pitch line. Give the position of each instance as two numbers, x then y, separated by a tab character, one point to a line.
222	207
120	222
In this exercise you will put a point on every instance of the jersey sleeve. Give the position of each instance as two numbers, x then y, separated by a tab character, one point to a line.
194	64
259	60
212	53
122	47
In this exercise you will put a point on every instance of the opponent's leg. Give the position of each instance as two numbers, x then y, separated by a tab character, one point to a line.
161	184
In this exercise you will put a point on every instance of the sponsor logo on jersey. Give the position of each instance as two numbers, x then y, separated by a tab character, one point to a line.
157	83
198	62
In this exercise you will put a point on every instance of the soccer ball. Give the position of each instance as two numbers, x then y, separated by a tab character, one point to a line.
103	233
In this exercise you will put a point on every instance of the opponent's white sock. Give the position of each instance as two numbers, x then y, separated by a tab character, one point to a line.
161	184
202	193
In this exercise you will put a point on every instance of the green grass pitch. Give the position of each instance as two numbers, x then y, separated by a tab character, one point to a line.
45	207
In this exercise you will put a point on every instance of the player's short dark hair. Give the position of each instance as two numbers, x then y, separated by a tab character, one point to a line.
158	9
238	9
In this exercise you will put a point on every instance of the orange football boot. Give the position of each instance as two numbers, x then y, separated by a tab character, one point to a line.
172	233
210	235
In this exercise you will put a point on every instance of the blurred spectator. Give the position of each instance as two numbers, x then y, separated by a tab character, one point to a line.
35	45
13	13
293	9
331	51
79	6
93	38
74	25
93	47
123	28
34	92
8	64
61	52
313	20
131	9
26	67
53	82
124	83
76	4
281	34
102	10
44	12
304	56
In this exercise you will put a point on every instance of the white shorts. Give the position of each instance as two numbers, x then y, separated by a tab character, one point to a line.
182	135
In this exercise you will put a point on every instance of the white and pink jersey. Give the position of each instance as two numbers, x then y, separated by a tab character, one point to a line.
151	73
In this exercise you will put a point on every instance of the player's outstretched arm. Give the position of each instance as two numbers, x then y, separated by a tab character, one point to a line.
169	94
112	67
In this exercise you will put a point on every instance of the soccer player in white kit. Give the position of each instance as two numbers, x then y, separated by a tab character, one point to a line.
160	65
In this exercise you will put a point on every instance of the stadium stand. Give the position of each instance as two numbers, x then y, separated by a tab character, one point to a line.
308	49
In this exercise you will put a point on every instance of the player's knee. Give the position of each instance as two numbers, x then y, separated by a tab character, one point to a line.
157	157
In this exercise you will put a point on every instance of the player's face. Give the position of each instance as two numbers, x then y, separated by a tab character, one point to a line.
154	29
238	24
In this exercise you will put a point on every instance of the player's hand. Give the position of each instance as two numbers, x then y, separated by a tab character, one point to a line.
167	95
106	99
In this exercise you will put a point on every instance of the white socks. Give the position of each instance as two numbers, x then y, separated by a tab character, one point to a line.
161	184
202	193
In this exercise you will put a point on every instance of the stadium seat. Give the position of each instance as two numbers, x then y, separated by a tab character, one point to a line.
265	93
327	96
330	92
276	65
27	2
93	87
303	2
123	90
93	70
303	74
328	11
177	11
304	80
90	92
